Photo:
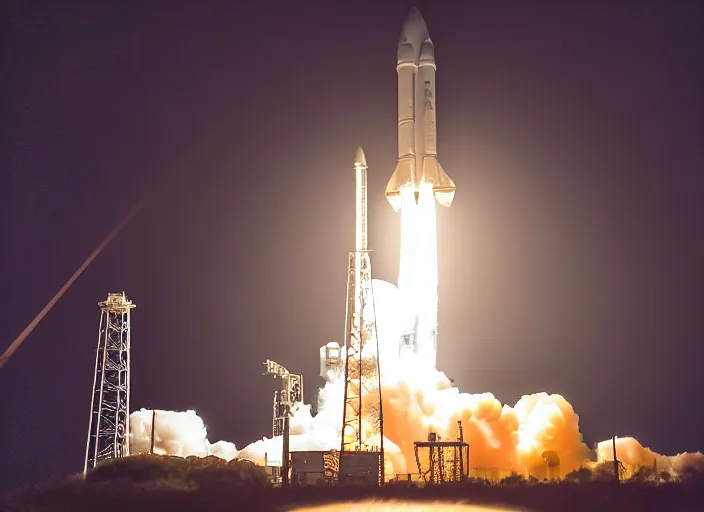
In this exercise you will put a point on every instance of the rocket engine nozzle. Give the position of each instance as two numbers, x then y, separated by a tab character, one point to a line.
404	175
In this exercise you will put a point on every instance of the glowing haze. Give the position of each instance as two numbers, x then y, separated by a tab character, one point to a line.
417	398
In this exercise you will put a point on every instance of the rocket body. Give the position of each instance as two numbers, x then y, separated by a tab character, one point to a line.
417	183
360	179
354	293
360	186
417	118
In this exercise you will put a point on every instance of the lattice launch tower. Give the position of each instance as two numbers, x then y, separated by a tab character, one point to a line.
362	444
109	422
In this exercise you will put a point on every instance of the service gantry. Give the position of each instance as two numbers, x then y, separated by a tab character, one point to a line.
291	393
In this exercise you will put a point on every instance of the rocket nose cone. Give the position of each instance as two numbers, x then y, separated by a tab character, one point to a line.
427	51
414	29
359	158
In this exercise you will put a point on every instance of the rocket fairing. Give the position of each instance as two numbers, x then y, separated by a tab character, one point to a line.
417	121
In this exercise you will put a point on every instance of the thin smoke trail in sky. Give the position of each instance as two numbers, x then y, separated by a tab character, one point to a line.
33	324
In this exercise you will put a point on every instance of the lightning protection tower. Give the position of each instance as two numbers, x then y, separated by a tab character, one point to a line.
109	422
362	439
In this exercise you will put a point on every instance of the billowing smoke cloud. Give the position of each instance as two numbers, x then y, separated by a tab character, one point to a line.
417	400
509	438
631	453
321	432
500	437
175	433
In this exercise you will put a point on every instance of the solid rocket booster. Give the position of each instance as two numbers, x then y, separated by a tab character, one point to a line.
417	122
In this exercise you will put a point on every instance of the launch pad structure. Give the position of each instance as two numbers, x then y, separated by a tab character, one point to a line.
361	458
442	462
362	442
291	393
109	421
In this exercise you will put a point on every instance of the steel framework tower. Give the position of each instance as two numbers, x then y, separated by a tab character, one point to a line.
284	400
109	422
362	439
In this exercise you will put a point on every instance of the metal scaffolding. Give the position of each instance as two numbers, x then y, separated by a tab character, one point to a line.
109	422
291	393
362	443
442	461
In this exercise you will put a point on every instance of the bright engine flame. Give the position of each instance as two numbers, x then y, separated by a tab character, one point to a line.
418	274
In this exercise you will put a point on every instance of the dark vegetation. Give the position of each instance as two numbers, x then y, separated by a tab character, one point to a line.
154	483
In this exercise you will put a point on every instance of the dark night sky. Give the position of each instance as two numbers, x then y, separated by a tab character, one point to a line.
571	261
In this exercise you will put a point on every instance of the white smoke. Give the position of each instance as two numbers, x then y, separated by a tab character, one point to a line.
317	433
180	433
416	401
631	453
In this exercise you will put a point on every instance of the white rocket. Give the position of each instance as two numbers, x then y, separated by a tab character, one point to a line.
360	182
417	122
332	354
